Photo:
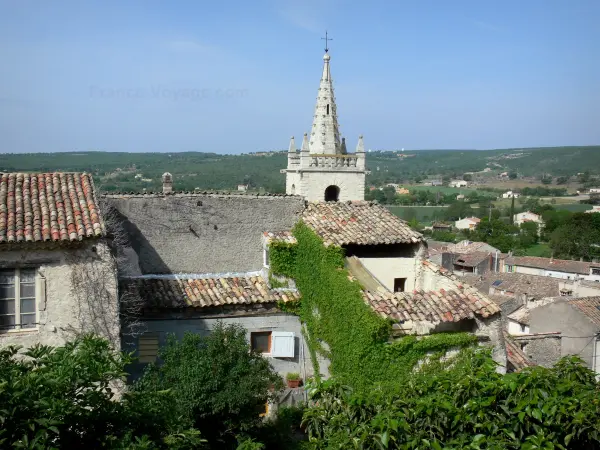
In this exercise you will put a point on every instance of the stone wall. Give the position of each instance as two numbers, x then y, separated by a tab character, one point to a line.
76	292
577	330
311	185
543	350
202	233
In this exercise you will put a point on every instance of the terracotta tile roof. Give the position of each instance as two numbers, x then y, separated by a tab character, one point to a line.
359	222
562	265
515	355
471	259
279	236
459	301
38	207
590	306
182	292
535	286
467	246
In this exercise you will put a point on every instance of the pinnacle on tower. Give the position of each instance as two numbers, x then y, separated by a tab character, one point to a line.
304	143
325	134
292	148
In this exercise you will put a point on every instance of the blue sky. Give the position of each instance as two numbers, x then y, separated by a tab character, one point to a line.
238	76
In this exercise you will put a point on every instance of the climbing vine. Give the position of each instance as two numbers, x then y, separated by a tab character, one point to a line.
342	326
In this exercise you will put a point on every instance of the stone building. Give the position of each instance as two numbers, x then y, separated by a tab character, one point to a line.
57	274
193	259
323	169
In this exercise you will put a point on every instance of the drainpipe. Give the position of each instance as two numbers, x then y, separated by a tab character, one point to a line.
497	261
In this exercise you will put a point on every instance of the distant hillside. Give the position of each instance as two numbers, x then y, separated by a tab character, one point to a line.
135	171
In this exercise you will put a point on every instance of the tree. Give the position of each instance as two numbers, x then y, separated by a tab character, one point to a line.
577	238
512	175
584	177
390	194
458	210
64	397
562	180
546	179
217	385
528	235
468	177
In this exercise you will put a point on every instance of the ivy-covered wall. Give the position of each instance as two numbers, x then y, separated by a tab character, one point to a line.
334	312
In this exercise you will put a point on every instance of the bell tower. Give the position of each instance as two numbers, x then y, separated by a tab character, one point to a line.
323	170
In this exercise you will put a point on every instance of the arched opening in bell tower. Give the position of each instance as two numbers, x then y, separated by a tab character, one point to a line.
332	193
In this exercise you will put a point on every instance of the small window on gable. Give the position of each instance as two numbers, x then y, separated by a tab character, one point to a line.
399	284
147	348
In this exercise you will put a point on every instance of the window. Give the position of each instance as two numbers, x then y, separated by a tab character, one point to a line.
327	109
147	348
332	193
595	271
399	284
18	299
523	328
266	257
279	344
261	341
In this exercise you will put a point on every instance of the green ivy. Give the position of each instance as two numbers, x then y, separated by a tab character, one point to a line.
334	312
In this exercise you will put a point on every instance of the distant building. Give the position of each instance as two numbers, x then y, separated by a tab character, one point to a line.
511	194
439	226
528	216
402	191
242	187
460	197
487	169
458	183
468	223
557	268
594	190
504	175
436	182
595	209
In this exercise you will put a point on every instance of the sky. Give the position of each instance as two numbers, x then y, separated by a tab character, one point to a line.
237	76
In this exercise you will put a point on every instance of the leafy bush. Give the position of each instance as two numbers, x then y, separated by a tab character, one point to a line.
217	386
537	408
64	397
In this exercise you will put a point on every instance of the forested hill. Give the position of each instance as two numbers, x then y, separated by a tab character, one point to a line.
118	171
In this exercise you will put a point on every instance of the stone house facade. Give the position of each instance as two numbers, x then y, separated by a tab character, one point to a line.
57	273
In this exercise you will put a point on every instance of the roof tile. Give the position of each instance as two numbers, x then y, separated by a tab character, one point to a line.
37	207
357	222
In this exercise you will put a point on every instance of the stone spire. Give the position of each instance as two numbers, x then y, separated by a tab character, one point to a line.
292	148
325	133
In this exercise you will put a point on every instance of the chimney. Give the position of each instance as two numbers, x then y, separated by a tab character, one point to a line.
167	180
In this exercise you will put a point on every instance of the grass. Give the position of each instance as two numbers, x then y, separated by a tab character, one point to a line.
540	249
421	213
444	189
574	207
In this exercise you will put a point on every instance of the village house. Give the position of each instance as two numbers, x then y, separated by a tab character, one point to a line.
579	288
564	327
467	257
57	274
511	194
528	216
595	209
242	187
458	183
550	267
468	223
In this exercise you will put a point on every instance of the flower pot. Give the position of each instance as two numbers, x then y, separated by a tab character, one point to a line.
293	383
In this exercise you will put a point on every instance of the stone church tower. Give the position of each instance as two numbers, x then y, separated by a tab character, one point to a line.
323	169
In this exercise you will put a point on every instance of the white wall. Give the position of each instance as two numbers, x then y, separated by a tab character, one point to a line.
386	269
312	185
514	328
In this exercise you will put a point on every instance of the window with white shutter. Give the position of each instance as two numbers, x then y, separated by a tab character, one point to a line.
282	344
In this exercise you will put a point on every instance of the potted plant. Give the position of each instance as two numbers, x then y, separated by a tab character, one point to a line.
293	379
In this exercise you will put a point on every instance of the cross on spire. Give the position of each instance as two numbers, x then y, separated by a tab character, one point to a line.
326	39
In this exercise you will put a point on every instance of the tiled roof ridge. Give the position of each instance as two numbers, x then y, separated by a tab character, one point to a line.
588	306
166	293
48	207
194	193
